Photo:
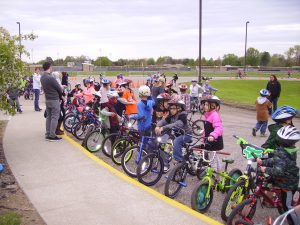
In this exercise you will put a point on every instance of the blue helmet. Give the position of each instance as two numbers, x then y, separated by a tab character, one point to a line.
283	113
264	92
149	79
105	81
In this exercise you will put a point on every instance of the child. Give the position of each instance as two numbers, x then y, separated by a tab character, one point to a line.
176	119
128	95
144	112
162	108
262	113
283	116
105	88
282	167
169	89
89	92
208	89
108	110
121	103
185	97
213	128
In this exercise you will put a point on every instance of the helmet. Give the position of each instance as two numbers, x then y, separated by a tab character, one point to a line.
264	92
126	82
169	84
120	90
112	94
288	136
211	99
149	78
183	86
90	80
176	100
284	113
105	81
97	94
163	96
119	76
77	83
144	91
194	80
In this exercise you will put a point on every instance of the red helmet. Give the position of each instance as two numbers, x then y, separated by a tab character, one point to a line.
183	86
120	90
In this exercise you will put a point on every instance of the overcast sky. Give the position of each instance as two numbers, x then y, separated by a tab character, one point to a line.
152	28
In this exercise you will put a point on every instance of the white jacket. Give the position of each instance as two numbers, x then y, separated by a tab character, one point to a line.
36	81
194	90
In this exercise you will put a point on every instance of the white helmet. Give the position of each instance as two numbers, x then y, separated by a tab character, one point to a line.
112	94
288	136
144	91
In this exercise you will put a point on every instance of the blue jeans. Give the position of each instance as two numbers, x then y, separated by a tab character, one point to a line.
274	101
36	99
262	126
178	144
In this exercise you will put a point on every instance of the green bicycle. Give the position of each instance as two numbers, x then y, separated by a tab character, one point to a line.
202	195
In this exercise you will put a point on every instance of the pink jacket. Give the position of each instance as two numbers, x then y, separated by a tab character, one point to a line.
214	119
87	94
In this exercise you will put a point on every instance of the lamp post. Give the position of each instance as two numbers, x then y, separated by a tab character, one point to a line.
200	40
20	39
245	48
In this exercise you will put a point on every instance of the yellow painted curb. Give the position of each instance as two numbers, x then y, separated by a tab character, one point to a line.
136	183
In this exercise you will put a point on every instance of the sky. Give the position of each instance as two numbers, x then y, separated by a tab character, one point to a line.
134	29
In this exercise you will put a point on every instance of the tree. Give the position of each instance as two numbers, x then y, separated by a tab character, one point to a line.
12	69
277	60
252	57
293	56
150	61
210	62
58	62
230	59
265	58
160	60
102	61
191	62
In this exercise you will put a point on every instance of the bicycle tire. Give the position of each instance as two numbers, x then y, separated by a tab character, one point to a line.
119	148
198	127
150	169
177	175
129	160
243	222
80	130
106	145
237	211
235	174
94	140
198	200
69	121
234	196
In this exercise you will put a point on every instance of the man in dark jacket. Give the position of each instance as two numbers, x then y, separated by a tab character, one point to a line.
274	88
53	95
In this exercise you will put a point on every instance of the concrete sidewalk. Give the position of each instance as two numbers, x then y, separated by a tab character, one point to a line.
67	187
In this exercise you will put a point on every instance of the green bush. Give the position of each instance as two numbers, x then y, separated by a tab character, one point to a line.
11	218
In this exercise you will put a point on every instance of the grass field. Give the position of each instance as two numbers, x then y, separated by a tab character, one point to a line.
185	73
245	92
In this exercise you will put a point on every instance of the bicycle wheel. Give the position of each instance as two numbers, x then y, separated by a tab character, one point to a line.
130	159
175	180
108	142
198	127
202	196
69	121
234	196
81	130
93	140
235	174
245	210
119	148
243	222
150	169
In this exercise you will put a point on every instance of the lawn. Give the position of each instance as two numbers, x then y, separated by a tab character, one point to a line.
210	73
245	92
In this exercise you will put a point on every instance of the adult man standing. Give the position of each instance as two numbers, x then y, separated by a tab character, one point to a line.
53	95
37	89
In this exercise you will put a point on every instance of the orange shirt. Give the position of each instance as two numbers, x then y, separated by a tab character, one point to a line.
130	108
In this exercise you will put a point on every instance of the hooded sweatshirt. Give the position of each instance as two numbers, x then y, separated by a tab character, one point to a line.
262	108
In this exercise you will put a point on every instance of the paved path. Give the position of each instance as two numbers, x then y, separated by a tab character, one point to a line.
67	187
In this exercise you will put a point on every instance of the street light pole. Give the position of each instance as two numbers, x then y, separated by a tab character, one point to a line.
20	39
245	48
200	40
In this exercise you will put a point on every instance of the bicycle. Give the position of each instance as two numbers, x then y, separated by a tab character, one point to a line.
238	192
202	195
246	209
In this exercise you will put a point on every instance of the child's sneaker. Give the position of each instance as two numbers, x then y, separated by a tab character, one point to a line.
254	132
263	135
166	168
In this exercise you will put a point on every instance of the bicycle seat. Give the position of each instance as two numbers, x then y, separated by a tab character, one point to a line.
229	161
